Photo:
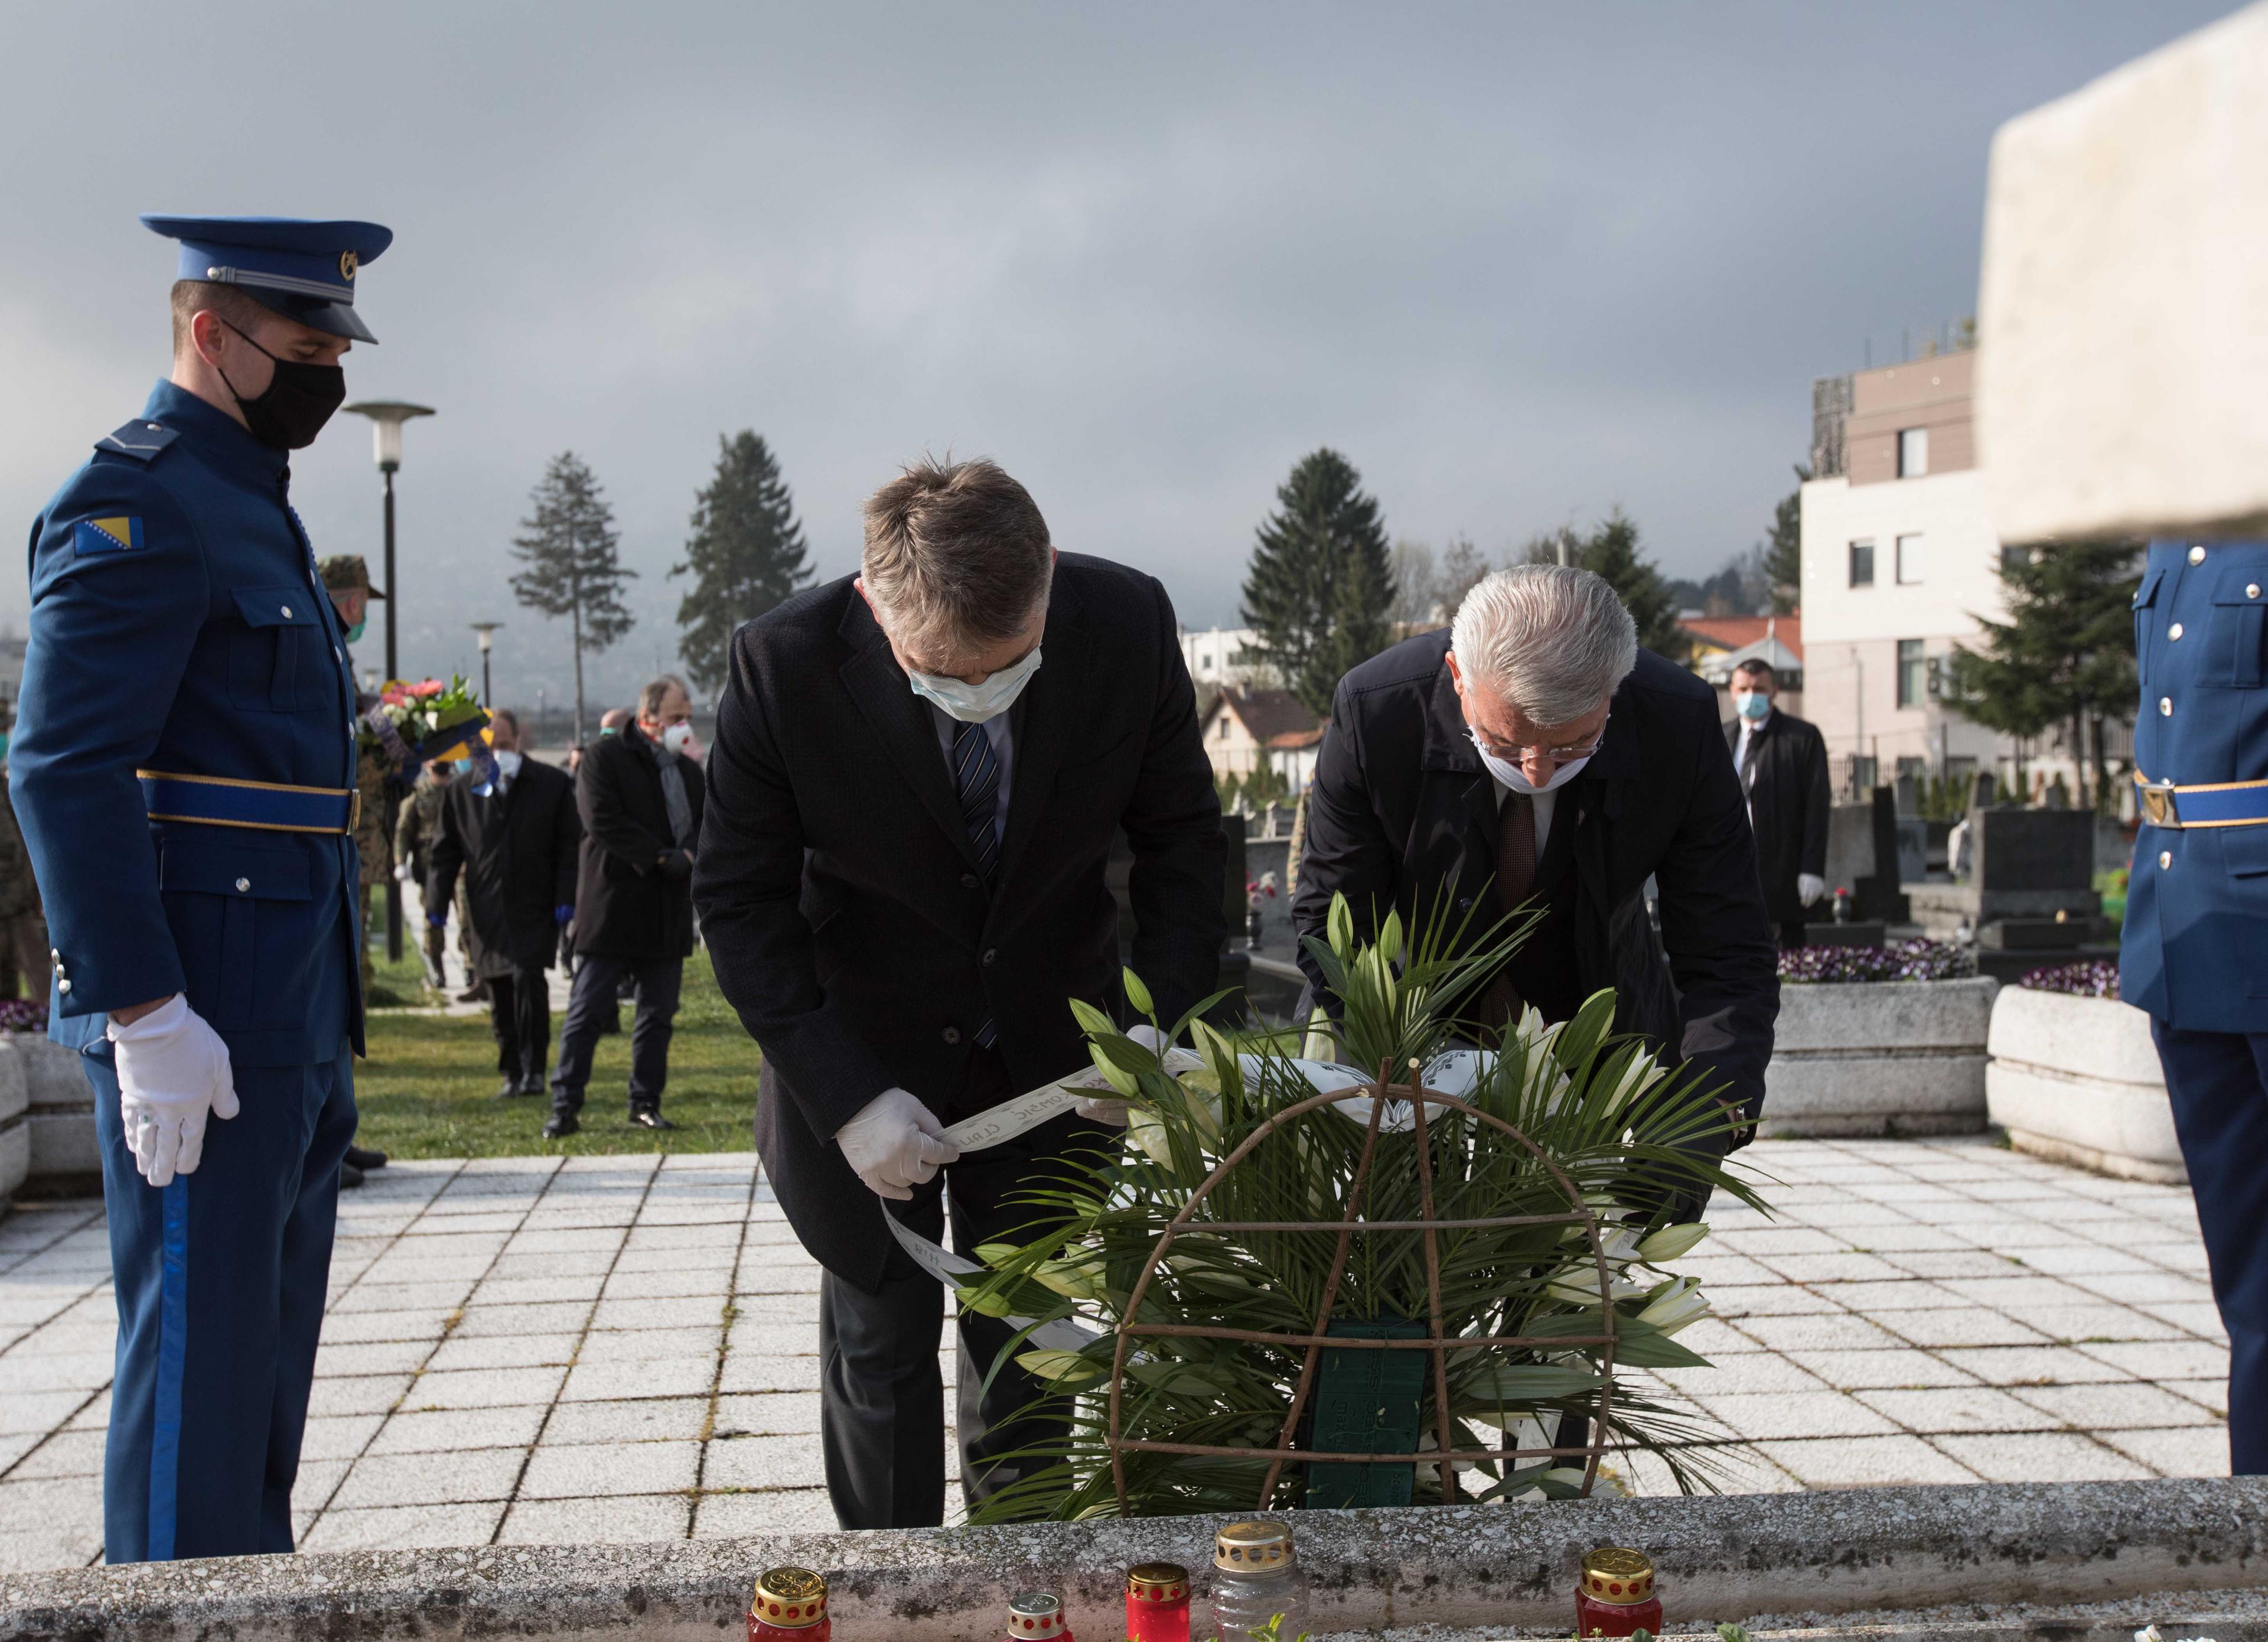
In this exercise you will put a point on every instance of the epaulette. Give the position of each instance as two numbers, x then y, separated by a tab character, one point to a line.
141	441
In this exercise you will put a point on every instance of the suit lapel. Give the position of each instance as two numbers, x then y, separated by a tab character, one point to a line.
902	722
1050	716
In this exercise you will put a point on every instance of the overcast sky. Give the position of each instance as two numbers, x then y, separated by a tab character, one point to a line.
1519	263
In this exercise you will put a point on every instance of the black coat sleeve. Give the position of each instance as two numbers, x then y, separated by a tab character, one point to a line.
1818	799
1716	932
1172	823
1347	851
445	857
747	885
566	844
607	817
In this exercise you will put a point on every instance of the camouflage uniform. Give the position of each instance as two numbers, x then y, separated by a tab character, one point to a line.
416	825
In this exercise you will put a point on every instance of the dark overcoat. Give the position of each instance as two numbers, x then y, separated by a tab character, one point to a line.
1789	796
517	851
625	905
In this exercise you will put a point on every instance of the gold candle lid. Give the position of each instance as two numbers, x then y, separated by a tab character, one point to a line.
1618	1576
1157	1581
789	1598
1256	1547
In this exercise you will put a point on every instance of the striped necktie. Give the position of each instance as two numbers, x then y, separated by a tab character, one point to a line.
976	780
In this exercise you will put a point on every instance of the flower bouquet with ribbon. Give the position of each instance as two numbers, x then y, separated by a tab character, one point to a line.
1394	1269
413	721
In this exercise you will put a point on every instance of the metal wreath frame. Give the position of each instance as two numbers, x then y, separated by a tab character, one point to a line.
1446	1456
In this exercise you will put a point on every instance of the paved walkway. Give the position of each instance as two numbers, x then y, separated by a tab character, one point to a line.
528	1350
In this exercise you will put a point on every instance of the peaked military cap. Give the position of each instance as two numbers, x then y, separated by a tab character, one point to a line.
344	571
304	270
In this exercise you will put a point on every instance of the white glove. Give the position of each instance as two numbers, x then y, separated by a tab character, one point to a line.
1109	1108
896	1143
401	872
1809	888
172	1069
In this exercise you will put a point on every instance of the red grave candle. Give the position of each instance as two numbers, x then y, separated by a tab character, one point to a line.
790	1606
1158	1602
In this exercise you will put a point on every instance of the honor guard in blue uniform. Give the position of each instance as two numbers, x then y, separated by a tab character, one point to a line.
184	769
2195	951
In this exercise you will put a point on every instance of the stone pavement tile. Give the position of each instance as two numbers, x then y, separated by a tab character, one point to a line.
337	1358
791	1461
1893	1243
1835	1211
312	1487
1865	1371
1719	1268
446	1220
564	1316
651	1419
712	1280
1710	1337
1847	1266
801	1374
338	1436
2076	1258
67	1334
1748	1300
773	1414
1817	1333
716	1260
567	1286
505	1350
421	1479
14	1446
93	1415
781	1277
423	1243
403	1527
350	1328
445	1294
364	1394
2144	1288
2189	1451
2041	1456
629	1345
578	1214
664	1377
1747	1371
2019	1288
2100	1321
2032	1365
22	1373
449	1431
537	1263
675	1311
1963	1261
1957	1407
724	1211
1779	1240
1754	1416
769	1511
1970	1325
777	1308
2187	1255
1864	1462
2199	1317
31	1307
1904	1294
37	1412
769	1336
64	1454
557	1243
2206	1394
627	1520
42	1505
2128	1406
645	1239
406	1270
2018	1237
586	1470
485	1388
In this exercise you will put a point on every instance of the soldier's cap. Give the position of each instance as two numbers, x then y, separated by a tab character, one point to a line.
304	270
343	570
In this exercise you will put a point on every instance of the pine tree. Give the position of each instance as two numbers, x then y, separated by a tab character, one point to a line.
2066	655
1611	551
744	555
1321	588
569	547
1784	557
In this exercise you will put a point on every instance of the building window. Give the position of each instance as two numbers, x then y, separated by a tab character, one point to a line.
1913	673
1909	564
1913	452
1862	565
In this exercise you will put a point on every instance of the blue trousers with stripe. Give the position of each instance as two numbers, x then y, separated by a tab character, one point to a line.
221	1280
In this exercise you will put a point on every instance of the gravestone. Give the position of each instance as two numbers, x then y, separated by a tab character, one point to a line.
2034	864
1876	892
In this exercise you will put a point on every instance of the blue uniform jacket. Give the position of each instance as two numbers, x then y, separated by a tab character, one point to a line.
178	625
2195	951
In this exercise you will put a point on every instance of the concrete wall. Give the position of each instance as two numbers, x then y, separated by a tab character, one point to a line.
1881	1057
2077	1080
62	1156
1932	393
15	1126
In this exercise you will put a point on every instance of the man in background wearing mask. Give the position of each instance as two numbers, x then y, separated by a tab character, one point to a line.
514	840
1782	764
183	766
416	825
900	882
1532	753
347	579
640	799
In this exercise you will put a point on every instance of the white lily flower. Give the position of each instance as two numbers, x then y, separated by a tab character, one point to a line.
1675	1304
1672	1243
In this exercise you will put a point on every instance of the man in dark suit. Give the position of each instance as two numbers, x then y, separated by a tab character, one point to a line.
1536	753
900	882
1782	764
514	840
640	801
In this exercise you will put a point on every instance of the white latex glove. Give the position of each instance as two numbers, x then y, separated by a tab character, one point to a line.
896	1143
172	1069
1109	1109
401	872
1810	887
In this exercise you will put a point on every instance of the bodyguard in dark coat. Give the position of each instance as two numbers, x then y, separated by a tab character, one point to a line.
634	900
515	844
1782	764
1572	768
900	882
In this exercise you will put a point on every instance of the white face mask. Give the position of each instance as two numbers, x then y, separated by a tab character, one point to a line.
1513	777
507	764
676	735
974	704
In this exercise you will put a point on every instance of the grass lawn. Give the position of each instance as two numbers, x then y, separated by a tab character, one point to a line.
427	1089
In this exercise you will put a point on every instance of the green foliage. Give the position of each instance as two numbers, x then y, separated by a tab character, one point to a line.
1262	787
1783	550
570	546
1631	1138
1320	589
746	553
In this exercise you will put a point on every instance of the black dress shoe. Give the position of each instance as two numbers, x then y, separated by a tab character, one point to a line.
533	1085
350	1177
513	1089
562	1125
363	1159
641	1118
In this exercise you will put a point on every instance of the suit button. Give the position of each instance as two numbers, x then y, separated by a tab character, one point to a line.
56	953
243	886
990	953
2165	858
2197	555
62	986
2165	706
952	1034
2252	590
968	880
2175	631
287	612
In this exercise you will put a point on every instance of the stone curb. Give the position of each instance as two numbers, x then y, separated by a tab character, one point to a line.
1494	1566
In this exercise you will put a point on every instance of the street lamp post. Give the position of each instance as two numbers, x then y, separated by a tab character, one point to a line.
387	417
485	631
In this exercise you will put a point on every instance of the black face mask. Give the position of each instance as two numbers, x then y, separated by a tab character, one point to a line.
298	400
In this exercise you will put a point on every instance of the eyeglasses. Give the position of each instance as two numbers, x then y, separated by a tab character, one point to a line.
1515	755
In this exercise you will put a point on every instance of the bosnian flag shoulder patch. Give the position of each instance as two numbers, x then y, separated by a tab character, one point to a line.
119	534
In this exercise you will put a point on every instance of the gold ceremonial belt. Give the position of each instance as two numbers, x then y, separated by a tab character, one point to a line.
262	805
2210	804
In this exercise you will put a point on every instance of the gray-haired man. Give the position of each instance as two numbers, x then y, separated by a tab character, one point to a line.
1534	751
